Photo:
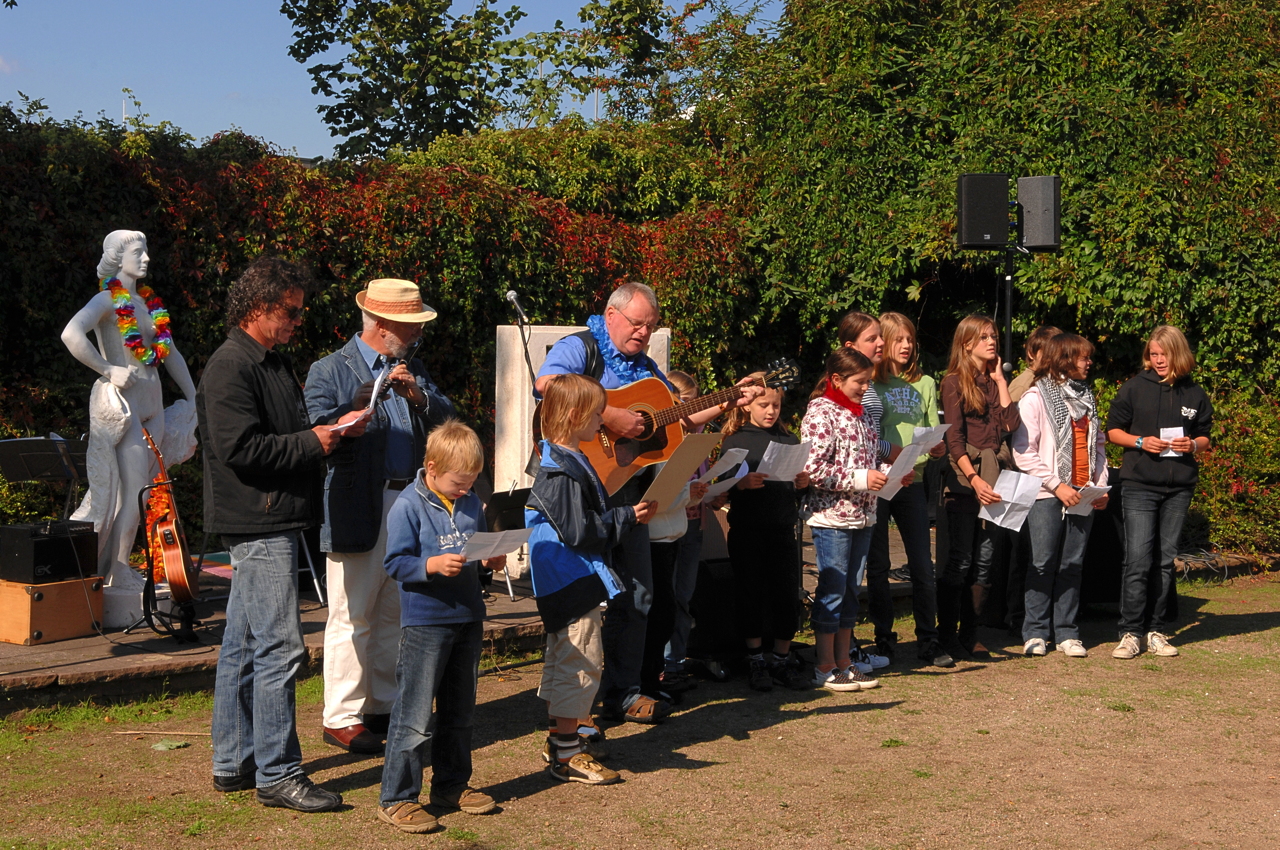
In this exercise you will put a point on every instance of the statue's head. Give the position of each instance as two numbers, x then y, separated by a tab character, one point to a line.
124	250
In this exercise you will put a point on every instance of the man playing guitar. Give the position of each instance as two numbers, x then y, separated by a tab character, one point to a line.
612	350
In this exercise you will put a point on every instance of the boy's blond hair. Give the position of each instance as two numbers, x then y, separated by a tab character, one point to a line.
567	403
453	447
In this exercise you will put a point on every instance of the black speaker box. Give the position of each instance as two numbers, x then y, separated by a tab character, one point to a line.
982	210
48	552
1040	212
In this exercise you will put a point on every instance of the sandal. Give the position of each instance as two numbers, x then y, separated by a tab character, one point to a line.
646	710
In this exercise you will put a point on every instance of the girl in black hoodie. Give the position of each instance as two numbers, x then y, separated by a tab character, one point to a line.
762	544
1160	410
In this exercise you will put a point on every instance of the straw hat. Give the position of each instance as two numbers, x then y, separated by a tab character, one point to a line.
395	300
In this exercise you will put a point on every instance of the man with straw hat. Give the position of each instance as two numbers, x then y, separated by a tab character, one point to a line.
365	475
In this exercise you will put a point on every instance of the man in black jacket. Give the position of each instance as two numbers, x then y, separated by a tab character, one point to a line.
261	466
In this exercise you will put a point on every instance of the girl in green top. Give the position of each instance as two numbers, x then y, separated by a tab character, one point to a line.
910	400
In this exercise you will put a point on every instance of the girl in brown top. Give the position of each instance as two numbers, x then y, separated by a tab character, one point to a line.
976	403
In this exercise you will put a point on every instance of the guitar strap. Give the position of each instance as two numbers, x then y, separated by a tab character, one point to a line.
594	367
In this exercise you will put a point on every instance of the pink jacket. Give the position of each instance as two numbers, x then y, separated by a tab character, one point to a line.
1034	445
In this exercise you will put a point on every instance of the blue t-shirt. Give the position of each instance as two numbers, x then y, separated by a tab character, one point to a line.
569	357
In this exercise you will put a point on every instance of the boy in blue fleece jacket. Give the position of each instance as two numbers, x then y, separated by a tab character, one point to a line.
573	532
441	625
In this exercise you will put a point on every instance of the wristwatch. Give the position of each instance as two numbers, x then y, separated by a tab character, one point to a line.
1138	444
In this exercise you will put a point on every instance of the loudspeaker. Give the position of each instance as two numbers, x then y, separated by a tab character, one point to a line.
1040	212
48	551
982	210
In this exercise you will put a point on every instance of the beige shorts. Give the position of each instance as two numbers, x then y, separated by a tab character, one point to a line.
571	670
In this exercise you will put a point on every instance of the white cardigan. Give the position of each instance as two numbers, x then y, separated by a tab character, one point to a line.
1035	446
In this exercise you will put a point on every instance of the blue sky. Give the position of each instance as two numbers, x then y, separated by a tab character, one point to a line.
205	65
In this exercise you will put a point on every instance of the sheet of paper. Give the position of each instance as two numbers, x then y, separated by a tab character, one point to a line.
728	460
1168	434
782	462
378	384
923	439
722	486
1088	495
929	436
490	544
1017	493
684	461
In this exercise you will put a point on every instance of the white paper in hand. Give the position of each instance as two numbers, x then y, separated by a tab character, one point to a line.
929	436
378	383
1088	495
489	544
728	460
782	462
1168	435
1017	494
723	486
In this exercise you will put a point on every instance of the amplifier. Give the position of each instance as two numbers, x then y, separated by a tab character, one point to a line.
48	551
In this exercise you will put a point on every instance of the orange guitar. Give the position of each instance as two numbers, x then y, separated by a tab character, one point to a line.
170	559
616	458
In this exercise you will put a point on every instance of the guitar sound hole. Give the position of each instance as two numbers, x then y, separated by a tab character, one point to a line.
648	425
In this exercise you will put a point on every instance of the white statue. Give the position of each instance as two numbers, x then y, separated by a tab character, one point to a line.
133	340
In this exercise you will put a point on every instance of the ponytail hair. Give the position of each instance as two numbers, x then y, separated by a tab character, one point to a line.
841	363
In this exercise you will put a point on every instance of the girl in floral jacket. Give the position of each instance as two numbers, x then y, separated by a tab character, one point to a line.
842	475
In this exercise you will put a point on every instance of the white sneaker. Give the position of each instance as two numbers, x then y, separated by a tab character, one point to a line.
1035	646
1130	647
1072	648
834	679
1159	645
866	662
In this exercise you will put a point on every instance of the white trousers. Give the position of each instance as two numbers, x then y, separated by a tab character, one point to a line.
362	635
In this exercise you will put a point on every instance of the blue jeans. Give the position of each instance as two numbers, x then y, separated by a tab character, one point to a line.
627	619
1057	566
684	583
842	560
910	510
1149	589
254	717
437	664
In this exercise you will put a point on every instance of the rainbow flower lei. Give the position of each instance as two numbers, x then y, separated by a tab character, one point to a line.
128	322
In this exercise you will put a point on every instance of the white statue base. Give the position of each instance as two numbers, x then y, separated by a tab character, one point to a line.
121	607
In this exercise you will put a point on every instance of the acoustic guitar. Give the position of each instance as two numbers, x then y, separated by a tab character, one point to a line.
616	458
167	544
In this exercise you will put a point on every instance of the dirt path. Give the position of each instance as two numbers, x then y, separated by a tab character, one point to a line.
1014	753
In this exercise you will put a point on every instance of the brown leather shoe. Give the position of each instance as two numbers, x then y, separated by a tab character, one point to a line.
354	739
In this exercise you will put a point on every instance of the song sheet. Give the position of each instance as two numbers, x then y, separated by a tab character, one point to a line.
489	544
921	443
721	486
782	462
684	461
378	384
1088	495
1168	435
729	458
1017	493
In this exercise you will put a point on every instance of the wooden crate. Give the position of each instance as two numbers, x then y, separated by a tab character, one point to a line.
42	613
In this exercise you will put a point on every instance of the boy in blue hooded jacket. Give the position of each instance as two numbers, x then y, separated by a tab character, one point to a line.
573	532
441	628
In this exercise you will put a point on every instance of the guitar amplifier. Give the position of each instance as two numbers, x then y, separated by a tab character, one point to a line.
32	614
48	551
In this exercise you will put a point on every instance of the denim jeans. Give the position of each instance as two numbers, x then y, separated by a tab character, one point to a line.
254	718
909	509
1058	542
684	583
626	619
1149	589
437	664
842	559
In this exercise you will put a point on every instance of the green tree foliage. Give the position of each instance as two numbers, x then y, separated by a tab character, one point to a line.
402	72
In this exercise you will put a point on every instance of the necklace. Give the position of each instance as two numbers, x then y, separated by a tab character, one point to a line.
127	322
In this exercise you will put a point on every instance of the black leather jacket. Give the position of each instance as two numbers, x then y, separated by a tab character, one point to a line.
262	463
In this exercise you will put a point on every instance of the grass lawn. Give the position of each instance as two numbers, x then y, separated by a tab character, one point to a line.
1011	753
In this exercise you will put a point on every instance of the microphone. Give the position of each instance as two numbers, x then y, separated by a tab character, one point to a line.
515	302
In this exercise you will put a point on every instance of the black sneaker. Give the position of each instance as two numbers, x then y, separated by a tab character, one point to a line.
887	646
759	677
300	794
787	673
900	574
239	782
678	682
934	654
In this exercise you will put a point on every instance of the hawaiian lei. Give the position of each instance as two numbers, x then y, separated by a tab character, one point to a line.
128	322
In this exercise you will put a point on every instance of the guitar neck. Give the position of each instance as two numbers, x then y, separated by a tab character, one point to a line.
671	415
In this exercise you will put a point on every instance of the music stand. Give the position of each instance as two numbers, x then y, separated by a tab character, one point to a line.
504	512
45	459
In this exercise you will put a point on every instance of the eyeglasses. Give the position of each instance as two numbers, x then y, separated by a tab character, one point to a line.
653	327
291	312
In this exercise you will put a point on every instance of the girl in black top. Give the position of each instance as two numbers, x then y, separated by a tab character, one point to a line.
1151	408
763	549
